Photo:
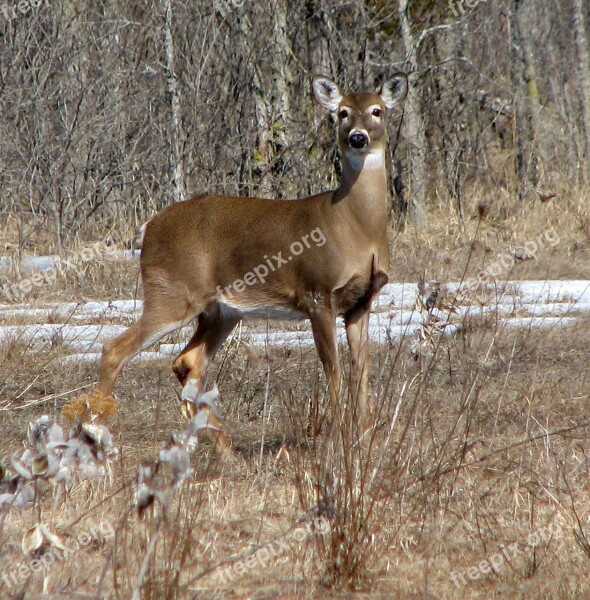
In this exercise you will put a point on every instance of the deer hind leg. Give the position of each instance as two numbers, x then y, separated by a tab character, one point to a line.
191	365
155	322
212	330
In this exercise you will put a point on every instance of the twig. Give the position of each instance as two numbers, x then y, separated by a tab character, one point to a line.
145	562
45	399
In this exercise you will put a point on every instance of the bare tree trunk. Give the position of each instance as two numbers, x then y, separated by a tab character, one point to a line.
262	106
281	71
516	75
416	202
532	95
263	155
583	74
176	159
283	78
526	100
452	120
318	48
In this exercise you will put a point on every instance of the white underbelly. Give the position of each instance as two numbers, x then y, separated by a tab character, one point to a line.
251	313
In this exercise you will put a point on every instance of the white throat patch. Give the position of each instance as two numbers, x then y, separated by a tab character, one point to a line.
371	160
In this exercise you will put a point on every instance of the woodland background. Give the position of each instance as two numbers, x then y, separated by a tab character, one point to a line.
109	111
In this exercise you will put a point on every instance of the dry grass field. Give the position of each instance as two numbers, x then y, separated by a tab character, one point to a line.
475	482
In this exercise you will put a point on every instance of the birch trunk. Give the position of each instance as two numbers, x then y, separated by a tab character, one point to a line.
176	159
583	74
517	77
533	106
282	76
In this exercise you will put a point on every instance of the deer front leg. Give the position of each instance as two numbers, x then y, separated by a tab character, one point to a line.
323	325
357	333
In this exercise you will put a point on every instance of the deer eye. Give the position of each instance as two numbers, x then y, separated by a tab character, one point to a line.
377	112
343	114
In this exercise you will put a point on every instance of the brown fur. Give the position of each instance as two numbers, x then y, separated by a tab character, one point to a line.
193	249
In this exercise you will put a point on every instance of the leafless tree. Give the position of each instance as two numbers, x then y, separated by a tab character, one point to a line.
110	111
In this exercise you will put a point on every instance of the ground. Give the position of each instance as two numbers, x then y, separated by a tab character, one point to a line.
473	485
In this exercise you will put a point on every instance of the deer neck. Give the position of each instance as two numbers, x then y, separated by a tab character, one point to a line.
363	188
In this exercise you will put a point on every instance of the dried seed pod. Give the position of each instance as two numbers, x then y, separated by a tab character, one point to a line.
21	468
32	540
52	538
39	537
483	210
178	459
40	466
545	196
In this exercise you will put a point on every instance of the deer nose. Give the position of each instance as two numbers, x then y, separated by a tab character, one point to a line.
358	139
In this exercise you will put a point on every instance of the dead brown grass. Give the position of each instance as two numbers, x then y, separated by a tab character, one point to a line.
443	249
488	449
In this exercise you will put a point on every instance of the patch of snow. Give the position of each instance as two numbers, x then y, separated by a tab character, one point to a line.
397	295
45	263
516	304
31	262
59	333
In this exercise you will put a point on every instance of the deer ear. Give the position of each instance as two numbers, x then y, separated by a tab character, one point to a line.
394	90
327	93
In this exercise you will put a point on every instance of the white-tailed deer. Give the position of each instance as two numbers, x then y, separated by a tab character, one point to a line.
220	259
